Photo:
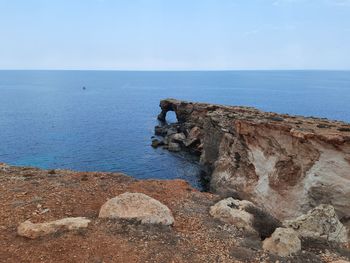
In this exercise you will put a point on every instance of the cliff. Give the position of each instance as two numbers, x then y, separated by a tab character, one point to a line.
286	164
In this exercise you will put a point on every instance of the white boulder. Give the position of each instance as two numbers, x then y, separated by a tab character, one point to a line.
137	206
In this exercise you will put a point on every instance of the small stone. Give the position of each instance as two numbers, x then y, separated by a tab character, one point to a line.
84	177
161	131
174	147
156	143
33	231
283	242
44	211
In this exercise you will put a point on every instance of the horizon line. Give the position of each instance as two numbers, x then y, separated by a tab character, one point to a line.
173	70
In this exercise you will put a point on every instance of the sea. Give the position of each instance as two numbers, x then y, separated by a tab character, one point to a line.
104	120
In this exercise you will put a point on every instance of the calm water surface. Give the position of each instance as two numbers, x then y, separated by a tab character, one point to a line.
48	120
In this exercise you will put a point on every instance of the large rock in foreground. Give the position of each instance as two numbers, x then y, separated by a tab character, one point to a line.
33	231
283	242
286	164
320	222
137	206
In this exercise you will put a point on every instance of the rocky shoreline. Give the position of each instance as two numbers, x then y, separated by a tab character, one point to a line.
286	164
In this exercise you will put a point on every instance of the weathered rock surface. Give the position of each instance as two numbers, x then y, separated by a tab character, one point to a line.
33	231
283	242
137	206
245	215
233	212
287	164
320	222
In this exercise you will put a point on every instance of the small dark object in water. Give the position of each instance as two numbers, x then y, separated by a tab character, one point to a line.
84	88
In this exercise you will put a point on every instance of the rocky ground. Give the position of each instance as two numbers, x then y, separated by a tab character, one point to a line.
195	236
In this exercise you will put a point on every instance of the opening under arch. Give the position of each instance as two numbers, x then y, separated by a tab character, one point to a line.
171	117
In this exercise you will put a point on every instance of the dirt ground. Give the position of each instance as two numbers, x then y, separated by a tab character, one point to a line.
40	195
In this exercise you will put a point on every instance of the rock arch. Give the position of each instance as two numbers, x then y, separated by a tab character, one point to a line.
182	109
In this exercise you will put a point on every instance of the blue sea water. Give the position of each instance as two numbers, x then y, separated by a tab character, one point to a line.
48	120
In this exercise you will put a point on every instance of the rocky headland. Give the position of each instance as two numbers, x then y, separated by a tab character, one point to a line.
285	164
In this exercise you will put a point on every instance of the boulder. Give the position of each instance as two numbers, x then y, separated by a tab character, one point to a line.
174	147
233	212
156	143
137	206
283	242
178	137
320	222
171	131
160	130
33	231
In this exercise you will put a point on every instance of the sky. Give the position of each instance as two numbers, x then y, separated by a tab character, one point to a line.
175	34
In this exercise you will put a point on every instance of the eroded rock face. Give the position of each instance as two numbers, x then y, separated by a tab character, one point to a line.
286	164
320	222
33	231
137	206
283	242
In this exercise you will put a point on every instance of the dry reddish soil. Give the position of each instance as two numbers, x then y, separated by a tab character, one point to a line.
28	193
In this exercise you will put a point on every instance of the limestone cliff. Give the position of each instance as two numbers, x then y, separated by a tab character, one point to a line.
287	164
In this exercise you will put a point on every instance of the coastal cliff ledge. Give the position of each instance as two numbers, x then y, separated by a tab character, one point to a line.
286	164
56	216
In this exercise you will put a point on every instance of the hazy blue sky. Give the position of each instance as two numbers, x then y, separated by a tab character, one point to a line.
175	34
